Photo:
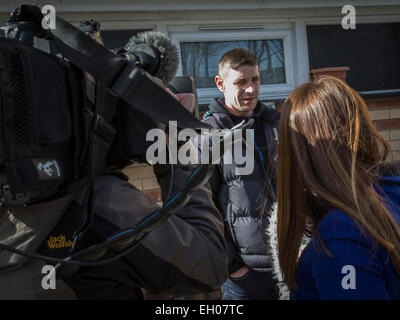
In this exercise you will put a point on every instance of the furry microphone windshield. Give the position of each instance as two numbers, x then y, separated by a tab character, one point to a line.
165	53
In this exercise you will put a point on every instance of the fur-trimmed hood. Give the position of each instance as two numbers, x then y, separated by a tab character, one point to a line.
272	233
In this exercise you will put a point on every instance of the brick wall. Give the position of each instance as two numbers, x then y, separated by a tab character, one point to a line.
385	114
143	178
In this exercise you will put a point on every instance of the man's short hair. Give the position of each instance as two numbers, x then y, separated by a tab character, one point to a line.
236	58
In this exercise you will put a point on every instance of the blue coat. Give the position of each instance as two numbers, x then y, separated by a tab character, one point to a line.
355	271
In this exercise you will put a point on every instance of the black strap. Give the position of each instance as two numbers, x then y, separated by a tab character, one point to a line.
86	53
143	94
132	84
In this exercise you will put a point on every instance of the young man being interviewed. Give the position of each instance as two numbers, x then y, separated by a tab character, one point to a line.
245	200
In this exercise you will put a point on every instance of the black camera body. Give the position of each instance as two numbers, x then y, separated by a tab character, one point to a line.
69	117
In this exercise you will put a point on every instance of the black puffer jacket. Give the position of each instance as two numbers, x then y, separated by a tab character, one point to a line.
245	200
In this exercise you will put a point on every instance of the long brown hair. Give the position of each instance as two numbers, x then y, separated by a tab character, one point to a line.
329	154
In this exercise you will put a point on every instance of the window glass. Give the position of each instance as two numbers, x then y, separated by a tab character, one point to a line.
371	51
200	59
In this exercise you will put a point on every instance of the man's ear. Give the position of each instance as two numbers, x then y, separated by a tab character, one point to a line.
220	83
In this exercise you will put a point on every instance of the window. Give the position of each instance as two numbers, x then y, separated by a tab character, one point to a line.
200	52
371	51
200	59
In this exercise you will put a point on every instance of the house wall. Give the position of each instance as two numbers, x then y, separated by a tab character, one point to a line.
143	178
385	114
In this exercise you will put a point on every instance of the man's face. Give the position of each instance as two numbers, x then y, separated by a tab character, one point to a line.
241	88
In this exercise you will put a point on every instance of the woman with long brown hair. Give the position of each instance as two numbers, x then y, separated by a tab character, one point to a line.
332	185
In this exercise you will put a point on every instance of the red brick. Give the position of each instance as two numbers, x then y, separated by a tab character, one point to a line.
154	195
387	124
371	103
395	102
382	103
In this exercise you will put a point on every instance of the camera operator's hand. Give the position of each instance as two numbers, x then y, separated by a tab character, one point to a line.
186	99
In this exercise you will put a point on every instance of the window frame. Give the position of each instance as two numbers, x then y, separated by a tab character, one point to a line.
267	91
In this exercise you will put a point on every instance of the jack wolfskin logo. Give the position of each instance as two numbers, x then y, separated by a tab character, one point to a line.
58	242
47	169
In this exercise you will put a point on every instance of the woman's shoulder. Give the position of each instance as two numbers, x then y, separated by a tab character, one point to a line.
337	225
335	218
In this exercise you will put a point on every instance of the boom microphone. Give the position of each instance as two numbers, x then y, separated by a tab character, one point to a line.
155	53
